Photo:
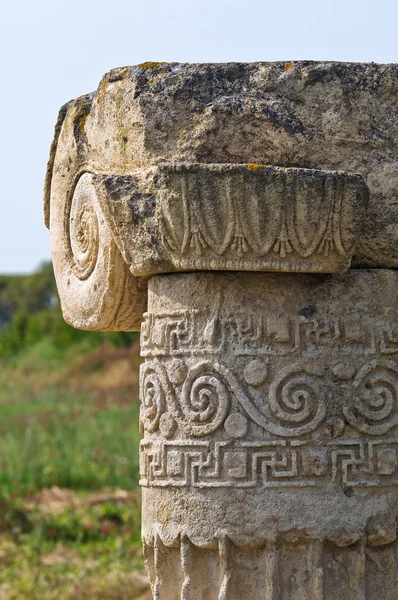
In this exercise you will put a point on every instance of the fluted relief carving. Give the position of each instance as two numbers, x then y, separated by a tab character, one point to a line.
236	217
285	568
277	219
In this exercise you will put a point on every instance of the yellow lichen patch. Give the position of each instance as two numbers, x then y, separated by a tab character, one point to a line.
254	167
151	65
102	89
289	65
156	78
82	122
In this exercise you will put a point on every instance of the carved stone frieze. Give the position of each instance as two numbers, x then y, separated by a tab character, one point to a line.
281	387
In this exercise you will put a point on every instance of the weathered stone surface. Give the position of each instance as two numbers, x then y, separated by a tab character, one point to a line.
270	412
333	116
269	462
236	217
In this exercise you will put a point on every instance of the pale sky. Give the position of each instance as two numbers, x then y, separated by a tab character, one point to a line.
52	51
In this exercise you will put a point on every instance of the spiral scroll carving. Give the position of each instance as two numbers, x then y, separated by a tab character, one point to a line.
296	402
297	398
95	286
205	399
375	406
83	231
153	401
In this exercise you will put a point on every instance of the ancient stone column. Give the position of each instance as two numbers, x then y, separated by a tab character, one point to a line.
246	217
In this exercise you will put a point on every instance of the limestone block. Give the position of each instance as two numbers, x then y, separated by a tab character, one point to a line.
327	116
269	462
178	217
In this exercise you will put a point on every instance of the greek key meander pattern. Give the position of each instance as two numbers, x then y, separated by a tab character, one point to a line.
322	417
185	332
208	464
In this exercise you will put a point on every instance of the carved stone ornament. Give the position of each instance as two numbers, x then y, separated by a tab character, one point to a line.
245	216
238	217
270	420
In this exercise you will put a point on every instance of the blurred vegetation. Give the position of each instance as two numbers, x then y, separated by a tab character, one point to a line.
69	499
30	311
70	440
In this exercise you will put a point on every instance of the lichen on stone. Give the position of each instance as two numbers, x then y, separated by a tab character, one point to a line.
254	167
151	65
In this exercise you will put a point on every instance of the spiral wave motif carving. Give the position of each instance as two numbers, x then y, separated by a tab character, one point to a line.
205	399
297	401
375	406
83	230
153	401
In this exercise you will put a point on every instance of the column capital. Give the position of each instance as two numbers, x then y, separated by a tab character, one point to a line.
241	166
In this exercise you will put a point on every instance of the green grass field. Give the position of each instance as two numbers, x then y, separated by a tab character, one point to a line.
69	499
